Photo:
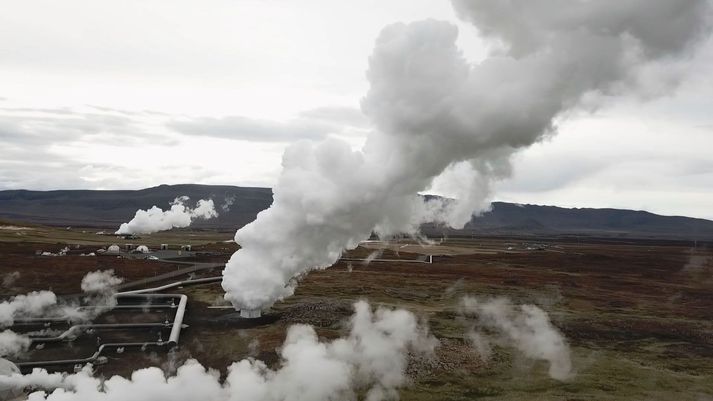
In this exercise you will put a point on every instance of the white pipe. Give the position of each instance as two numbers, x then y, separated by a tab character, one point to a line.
172	285
77	327
178	321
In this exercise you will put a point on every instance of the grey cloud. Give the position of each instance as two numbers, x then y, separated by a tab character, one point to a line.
338	115
247	129
27	136
546	174
130	112
32	172
26	126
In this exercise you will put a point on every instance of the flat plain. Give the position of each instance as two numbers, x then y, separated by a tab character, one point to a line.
637	314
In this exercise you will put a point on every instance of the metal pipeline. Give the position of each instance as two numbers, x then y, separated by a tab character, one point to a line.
180	310
102	347
174	336
77	327
427	260
172	285
49	320
177	322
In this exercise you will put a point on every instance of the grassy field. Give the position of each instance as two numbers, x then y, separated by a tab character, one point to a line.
29	233
638	316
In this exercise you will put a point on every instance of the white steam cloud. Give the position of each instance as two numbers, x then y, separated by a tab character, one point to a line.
33	304
99	288
436	114
13	344
100	282
178	216
524	327
371	360
228	203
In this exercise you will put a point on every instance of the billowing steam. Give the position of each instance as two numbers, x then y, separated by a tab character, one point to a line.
436	114
527	328
178	216
371	359
13	344
33	304
100	282
99	288
9	279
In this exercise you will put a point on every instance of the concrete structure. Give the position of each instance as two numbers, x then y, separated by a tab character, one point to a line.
164	247
142	249
250	313
186	248
113	249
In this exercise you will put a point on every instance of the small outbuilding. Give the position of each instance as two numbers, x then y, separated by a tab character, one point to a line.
113	249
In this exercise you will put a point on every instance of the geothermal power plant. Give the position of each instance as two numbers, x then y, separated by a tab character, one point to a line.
373	262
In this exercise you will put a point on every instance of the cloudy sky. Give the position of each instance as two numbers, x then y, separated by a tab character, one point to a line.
137	93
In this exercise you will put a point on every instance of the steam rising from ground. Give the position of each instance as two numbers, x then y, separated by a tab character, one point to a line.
370	360
13	344
99	288
178	216
436	115
100	282
9	279
524	327
33	304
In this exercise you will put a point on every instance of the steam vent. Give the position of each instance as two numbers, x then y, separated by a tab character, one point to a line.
250	313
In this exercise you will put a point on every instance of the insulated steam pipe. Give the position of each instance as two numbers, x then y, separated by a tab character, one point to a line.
180	310
94	357
177	322
172	285
77	327
173	337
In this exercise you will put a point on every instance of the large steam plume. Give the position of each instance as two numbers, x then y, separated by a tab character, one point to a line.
436	113
178	216
370	360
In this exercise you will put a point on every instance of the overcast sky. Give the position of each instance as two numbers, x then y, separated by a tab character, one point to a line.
136	93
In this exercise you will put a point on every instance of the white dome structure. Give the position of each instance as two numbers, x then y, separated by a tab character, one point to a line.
113	249
8	368
143	249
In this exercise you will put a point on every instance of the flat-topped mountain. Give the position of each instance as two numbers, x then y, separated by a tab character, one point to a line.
238	206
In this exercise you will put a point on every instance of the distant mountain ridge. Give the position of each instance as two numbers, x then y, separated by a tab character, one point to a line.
510	218
108	209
